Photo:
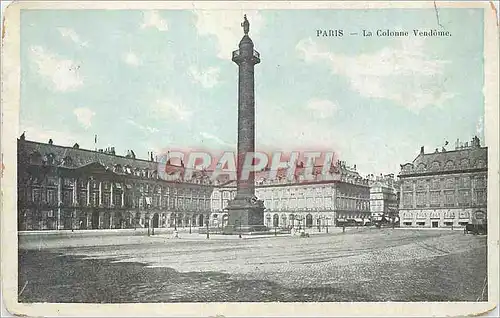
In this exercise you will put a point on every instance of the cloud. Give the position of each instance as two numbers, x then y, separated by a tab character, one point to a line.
279	128
225	27
72	35
146	129
208	77
214	138
401	74
131	59
152	19
64	74
84	116
169	109
322	108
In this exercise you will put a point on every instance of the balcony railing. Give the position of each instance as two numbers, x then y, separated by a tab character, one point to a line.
237	54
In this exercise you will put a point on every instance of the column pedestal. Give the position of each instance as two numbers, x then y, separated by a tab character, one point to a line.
245	216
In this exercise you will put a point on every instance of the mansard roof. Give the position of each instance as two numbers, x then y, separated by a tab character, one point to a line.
79	157
448	161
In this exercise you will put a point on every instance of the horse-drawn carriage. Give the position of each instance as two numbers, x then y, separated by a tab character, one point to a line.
476	229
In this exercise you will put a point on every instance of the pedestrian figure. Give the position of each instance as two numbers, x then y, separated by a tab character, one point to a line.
176	234
81	225
343	228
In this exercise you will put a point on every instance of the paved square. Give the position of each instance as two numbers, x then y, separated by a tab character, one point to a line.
359	265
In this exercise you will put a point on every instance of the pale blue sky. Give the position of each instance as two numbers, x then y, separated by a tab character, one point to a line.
150	80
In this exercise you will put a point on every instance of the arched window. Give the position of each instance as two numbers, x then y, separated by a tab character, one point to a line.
464	163
276	220
449	164
481	163
435	165
309	220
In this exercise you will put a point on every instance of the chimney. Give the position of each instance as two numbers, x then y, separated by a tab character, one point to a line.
23	136
422	150
76	146
51	141
437	150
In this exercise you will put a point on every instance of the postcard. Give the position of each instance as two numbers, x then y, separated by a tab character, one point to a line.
250	158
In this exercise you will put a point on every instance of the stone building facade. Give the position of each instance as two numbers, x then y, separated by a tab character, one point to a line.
384	203
72	188
445	188
302	203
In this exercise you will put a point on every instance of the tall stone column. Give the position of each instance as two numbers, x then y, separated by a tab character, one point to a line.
123	194
111	195
100	193
88	193
246	213
75	192
59	202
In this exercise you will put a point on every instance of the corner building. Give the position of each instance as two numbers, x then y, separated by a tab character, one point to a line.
445	188
317	203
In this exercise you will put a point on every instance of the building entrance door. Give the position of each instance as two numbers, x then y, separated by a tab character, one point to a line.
95	219
155	220
435	223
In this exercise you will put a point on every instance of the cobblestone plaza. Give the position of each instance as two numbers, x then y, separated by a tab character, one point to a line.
408	265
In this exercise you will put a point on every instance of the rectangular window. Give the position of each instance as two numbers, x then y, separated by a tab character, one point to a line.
117	199
464	182
464	198
68	197
435	198
407	223
408	199
421	223
51	196
435	184
106	199
448	223
480	197
449	198
36	195
421	199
